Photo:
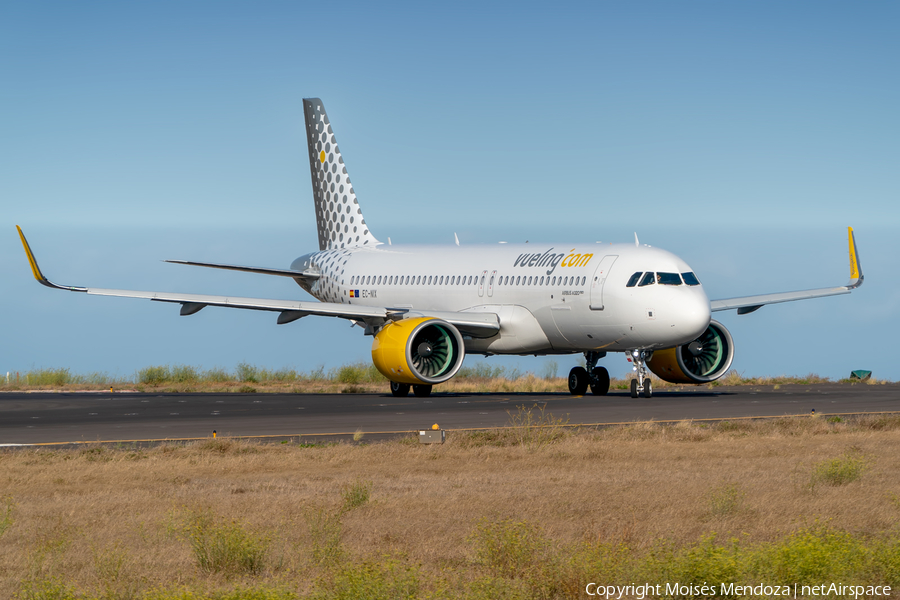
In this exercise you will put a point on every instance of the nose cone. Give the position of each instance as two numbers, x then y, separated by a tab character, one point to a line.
693	315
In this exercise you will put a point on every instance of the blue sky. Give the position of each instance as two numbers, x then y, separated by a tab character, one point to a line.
744	137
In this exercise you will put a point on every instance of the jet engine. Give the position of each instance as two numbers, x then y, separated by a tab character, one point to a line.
418	351
705	359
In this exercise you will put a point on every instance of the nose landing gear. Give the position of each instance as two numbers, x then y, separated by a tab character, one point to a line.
642	385
597	378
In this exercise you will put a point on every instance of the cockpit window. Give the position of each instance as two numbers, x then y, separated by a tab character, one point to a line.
634	279
690	279
668	278
647	279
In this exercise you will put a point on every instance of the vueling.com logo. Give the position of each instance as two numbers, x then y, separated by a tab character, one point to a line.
548	259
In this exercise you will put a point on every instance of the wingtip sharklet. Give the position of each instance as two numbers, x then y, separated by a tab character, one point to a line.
856	274
36	270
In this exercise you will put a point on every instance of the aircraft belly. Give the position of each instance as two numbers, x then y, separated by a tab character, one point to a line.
520	332
579	328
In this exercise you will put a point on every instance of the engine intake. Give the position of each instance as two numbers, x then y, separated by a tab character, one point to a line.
418	351
703	360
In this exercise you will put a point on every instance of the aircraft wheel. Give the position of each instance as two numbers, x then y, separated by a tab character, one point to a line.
648	388
634	390
578	381
599	381
422	391
400	390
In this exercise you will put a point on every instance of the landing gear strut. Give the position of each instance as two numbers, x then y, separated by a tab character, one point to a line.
642	385
595	377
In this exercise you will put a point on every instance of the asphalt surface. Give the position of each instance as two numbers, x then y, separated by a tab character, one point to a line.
40	417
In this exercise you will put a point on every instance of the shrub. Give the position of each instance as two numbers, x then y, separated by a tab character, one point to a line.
6	518
725	499
351	374
812	555
508	548
54	377
325	530
702	561
285	375
840	470
183	374
356	494
50	589
154	375
222	547
533	427
385	580
247	373
217	375
357	373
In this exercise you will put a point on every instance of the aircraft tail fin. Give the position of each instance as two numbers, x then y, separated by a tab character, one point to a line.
339	219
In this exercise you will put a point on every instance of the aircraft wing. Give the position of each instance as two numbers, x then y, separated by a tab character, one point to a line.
748	304
262	270
481	325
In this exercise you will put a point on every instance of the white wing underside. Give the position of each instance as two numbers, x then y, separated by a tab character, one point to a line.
748	304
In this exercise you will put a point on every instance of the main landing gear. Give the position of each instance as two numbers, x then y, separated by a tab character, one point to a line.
598	380
642	386
401	390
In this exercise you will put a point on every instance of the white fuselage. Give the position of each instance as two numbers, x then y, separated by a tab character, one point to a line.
551	298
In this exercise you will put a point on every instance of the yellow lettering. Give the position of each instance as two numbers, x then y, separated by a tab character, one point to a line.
585	259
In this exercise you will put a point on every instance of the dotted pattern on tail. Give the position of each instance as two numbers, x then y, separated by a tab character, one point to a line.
338	217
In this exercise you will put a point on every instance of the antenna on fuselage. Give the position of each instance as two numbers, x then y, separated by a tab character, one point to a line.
456	237
636	242
389	241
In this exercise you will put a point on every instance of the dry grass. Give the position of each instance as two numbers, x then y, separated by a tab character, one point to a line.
353	378
479	512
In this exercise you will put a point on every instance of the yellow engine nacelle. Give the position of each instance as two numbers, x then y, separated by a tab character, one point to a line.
705	359
418	351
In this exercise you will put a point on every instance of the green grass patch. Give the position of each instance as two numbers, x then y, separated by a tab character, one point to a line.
508	548
725	499
387	579
325	531
840	470
509	559
225	547
356	494
6	515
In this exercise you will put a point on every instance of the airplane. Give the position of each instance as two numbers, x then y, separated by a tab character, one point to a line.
427	306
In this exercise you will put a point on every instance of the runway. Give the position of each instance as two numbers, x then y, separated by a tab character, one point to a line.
52	418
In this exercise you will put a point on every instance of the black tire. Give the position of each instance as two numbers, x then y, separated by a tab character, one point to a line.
578	381
599	381
422	391
648	388
634	390
399	390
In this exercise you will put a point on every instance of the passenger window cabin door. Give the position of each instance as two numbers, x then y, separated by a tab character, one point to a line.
599	279
491	283
481	283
